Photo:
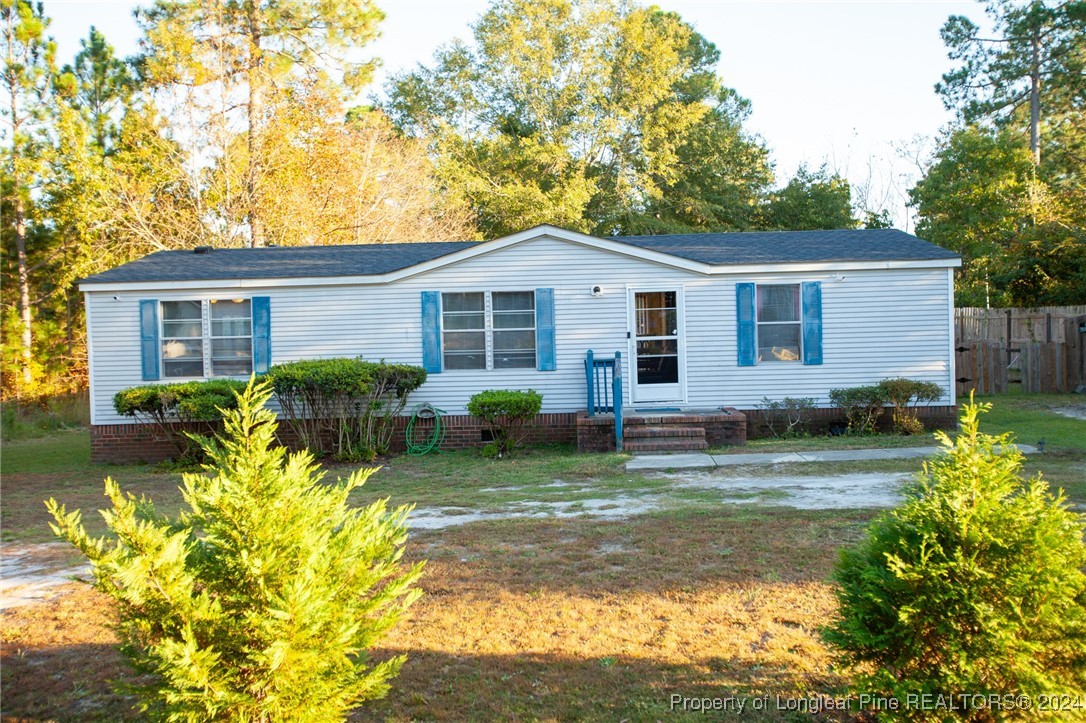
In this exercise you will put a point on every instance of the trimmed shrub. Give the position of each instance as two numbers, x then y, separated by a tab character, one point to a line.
505	412
974	586
345	408
259	601
862	405
904	394
787	417
186	402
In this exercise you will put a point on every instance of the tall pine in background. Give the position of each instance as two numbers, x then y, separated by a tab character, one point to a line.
1007	185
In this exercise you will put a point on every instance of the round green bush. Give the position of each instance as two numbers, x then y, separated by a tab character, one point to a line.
974	586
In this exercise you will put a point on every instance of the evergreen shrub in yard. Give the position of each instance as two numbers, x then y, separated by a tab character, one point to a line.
260	601
187	402
862	405
974	586
904	394
343	407
505	412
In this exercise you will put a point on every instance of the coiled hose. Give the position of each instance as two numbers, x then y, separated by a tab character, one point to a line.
433	439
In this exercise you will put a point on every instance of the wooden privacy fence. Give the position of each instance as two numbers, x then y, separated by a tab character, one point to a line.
991	366
1045	323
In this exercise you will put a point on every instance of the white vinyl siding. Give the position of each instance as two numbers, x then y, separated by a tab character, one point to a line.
876	324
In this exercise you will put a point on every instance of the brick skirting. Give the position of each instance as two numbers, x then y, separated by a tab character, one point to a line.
146	443
119	443
832	420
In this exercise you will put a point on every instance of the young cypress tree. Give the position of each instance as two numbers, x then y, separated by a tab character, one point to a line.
975	586
260	601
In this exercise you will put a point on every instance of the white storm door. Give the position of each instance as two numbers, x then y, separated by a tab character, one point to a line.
656	345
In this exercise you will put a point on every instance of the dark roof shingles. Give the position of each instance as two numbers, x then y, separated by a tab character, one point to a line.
758	247
278	262
772	247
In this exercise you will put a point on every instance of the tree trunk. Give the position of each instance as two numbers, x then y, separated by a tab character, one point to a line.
27	338
256	114
24	286
1035	97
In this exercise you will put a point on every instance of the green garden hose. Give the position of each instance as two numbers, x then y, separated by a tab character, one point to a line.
437	434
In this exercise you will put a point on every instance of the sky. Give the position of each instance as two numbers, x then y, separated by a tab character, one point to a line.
846	83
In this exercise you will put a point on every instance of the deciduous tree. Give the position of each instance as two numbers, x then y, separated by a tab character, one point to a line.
237	51
812	200
332	179
591	114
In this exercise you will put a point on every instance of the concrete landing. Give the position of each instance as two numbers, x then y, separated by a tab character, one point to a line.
702	461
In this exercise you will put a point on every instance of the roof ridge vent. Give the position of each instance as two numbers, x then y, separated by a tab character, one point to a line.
203	249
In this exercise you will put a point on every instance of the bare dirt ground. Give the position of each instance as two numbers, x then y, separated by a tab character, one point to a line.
818	492
1075	411
33	573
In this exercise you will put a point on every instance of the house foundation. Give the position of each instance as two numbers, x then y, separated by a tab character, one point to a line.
685	430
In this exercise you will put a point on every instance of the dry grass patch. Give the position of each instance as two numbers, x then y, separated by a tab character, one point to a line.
541	619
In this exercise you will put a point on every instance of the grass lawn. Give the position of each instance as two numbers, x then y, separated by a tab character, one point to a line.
530	618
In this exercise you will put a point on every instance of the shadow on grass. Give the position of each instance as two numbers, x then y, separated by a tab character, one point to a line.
73	683
532	686
65	682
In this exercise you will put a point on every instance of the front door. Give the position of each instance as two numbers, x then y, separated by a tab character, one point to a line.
656	345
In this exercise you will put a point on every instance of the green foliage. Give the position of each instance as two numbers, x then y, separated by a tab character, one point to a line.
260	601
1019	235
344	407
99	85
603	117
1006	188
787	417
812	200
862	405
994	66
505	413
49	414
974	586
904	394
166	405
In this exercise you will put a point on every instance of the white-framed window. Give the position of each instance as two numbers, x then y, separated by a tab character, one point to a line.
779	315
488	330
207	338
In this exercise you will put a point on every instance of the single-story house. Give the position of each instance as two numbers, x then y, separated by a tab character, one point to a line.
701	321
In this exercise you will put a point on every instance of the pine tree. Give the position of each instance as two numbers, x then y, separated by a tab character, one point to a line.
259	601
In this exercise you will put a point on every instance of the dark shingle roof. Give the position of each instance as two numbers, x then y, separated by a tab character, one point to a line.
278	262
774	247
760	247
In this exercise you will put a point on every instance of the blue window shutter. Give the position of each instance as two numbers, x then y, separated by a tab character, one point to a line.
812	322
745	326
431	331
544	330
261	307
149	351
